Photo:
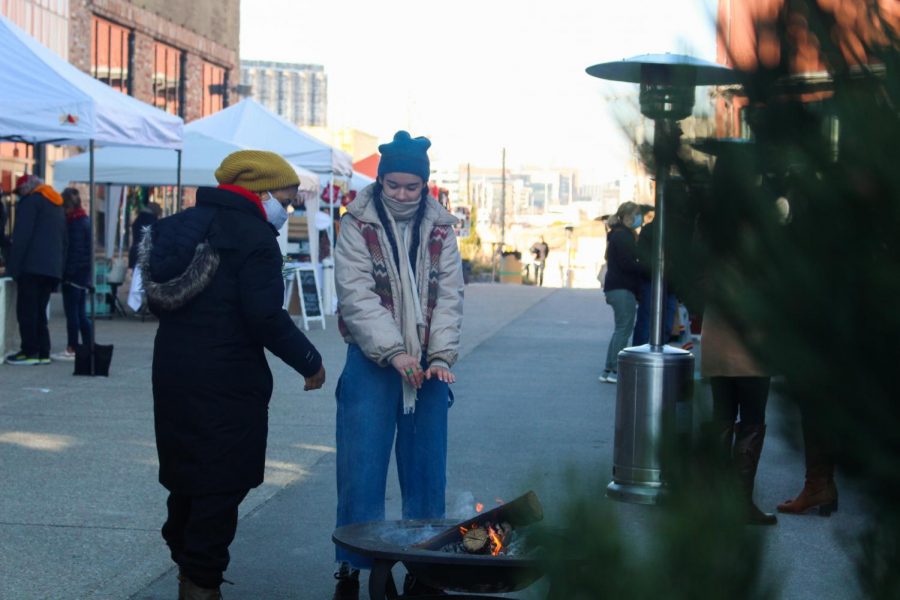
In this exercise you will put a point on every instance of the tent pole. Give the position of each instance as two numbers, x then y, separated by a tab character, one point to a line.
92	287
178	184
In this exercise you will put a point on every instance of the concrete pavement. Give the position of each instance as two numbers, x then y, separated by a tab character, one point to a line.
80	507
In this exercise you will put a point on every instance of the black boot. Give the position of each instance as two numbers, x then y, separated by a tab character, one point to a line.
748	445
347	586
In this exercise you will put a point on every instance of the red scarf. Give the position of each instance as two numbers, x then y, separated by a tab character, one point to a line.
77	213
246	194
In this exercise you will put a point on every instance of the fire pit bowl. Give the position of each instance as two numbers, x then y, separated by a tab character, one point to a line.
390	542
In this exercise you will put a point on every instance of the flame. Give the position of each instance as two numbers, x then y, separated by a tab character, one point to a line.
463	530
496	544
479	507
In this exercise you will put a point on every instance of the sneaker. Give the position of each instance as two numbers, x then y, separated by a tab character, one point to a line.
608	377
20	358
44	360
64	355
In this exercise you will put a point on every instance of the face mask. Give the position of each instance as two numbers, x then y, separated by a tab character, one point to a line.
638	221
276	214
401	211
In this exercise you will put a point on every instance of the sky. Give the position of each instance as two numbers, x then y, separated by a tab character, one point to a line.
477	76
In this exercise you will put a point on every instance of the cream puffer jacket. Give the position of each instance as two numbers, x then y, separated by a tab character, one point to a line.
368	283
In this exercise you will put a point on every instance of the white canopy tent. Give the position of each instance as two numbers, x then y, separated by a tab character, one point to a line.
250	124
48	100
201	156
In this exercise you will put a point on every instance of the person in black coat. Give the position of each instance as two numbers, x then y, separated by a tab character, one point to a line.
213	276
622	281
36	261
76	273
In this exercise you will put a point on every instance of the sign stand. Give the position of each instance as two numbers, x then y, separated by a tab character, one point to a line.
304	279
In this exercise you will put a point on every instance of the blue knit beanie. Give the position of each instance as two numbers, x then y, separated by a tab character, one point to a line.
405	154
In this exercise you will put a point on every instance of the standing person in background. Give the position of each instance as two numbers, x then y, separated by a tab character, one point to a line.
622	281
36	262
645	298
212	274
540	250
77	274
400	289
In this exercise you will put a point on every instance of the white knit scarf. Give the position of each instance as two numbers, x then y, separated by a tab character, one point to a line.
412	324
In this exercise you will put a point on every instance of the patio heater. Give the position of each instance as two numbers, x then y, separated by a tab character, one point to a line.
655	380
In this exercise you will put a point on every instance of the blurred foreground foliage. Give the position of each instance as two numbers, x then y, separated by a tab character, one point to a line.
795	238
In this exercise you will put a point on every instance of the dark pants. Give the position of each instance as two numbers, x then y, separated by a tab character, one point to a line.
76	315
642	321
33	296
199	530
744	396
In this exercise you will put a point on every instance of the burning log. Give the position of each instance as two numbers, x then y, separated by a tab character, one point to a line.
476	540
496	524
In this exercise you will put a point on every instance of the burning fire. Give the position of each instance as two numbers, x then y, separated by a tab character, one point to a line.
479	507
496	543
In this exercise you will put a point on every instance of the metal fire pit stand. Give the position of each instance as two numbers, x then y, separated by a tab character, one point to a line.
655	380
473	574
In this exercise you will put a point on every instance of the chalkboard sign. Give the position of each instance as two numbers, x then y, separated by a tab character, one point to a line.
309	293
303	279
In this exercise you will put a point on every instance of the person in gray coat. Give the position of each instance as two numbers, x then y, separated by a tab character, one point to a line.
36	261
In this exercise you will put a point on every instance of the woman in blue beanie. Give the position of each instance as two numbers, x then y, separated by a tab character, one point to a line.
400	292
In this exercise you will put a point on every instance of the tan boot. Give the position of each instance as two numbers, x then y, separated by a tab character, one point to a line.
748	445
819	492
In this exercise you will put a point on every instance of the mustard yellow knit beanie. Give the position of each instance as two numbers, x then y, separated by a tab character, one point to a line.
257	171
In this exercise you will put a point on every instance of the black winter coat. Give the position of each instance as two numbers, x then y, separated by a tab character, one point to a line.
78	254
39	238
622	269
212	275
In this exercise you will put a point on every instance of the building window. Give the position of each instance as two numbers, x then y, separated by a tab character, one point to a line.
111	54
215	85
45	20
167	78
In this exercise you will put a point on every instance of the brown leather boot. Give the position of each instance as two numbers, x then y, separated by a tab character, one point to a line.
748	445
819	493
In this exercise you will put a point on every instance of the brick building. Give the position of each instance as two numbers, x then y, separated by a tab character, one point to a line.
748	39
179	56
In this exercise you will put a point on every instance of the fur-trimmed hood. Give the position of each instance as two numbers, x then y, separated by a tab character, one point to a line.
176	260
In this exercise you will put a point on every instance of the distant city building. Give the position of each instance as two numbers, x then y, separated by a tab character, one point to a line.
297	92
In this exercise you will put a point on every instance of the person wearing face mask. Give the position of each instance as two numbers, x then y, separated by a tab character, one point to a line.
622	281
400	293
212	274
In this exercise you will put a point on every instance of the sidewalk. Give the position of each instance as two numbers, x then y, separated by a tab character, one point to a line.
81	507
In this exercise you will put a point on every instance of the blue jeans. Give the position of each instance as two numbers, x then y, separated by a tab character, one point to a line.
623	304
642	323
369	414
76	315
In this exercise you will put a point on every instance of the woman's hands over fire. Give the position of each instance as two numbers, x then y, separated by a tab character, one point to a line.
411	371
441	373
409	368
